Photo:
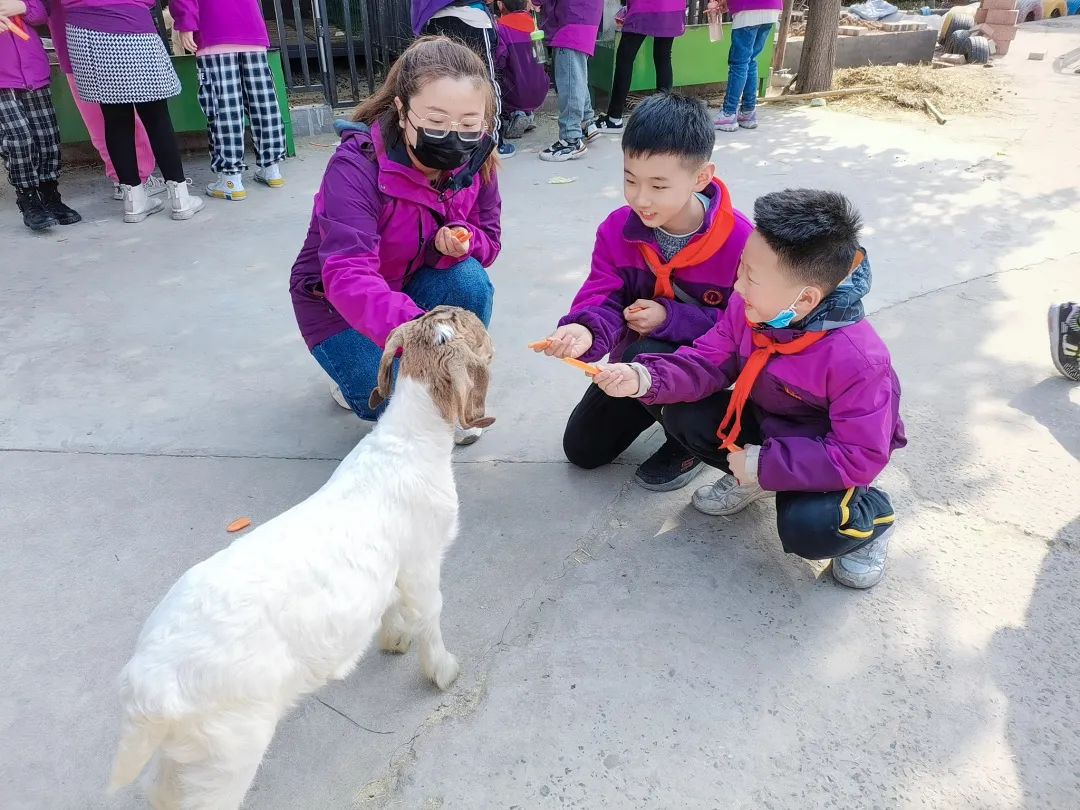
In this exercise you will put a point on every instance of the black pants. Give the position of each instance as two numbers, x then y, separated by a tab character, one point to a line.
814	525
629	45
602	427
120	140
482	41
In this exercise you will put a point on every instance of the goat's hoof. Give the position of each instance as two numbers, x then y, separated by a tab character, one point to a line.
444	672
395	642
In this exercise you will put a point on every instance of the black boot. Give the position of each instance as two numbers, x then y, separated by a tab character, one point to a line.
36	216
50	198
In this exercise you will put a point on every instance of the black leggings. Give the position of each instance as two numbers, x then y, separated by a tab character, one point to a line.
629	46
120	139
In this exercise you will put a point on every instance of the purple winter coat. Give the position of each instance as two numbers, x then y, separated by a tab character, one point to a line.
655	18
831	413
423	10
736	6
572	24
221	22
24	65
620	275
372	227
523	81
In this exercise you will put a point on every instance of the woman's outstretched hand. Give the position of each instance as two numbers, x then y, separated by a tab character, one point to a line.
449	245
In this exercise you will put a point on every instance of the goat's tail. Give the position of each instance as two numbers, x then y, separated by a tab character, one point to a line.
140	737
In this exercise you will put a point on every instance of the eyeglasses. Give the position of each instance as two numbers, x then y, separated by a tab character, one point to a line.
439	128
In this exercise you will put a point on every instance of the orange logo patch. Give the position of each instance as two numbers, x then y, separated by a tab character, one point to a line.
713	298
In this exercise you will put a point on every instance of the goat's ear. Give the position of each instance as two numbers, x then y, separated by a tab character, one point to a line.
472	411
381	393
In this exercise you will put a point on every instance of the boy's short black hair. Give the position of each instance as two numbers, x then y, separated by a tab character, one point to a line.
514	5
670	124
815	233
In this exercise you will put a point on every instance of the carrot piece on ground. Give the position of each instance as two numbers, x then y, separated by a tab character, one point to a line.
238	525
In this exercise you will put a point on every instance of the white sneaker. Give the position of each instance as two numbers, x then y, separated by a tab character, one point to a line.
227	187
184	206
727	497
865	567
463	437
338	397
155	185
270	176
137	205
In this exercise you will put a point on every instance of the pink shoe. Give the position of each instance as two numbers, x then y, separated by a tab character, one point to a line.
747	120
726	123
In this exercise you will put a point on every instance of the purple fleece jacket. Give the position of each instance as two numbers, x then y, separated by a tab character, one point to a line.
24	65
620	275
735	6
372	227
572	24
830	414
655	18
221	22
523	80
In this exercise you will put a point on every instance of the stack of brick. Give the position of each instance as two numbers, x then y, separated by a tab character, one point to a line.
996	20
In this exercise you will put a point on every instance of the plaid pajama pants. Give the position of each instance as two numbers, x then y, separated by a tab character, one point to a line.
29	137
231	84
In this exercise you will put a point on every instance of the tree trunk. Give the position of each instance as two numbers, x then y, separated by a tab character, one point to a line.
819	46
782	36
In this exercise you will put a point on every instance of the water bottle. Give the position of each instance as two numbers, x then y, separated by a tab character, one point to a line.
538	49
716	25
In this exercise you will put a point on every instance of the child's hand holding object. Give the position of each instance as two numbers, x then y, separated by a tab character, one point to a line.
571	340
645	316
618	380
453	242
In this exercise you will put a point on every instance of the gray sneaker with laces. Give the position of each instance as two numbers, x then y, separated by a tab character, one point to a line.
726	496
865	567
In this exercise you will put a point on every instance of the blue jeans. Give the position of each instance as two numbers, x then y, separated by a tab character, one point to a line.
747	43
352	360
572	86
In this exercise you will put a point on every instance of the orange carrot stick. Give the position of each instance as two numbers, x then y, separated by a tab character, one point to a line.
540	344
16	29
461	234
592	371
632	310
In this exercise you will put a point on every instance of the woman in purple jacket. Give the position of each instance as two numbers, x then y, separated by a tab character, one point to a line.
814	415
663	20
407	216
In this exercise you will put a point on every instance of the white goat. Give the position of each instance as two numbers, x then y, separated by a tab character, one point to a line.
243	635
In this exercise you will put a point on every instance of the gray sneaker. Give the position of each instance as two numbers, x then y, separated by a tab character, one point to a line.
865	567
727	496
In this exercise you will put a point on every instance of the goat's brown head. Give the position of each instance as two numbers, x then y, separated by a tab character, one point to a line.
449	350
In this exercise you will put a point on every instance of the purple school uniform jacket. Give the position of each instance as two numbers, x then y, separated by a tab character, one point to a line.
619	276
372	227
523	80
655	18
572	24
24	65
735	6
830	414
221	22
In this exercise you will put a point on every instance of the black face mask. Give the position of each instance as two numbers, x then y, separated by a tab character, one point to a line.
445	154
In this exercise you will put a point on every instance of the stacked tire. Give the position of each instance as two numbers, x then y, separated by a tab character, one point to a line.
957	37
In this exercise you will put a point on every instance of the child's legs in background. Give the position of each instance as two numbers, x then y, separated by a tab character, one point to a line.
261	103
119	122
221	96
740	54
95	125
665	76
41	117
750	88
821	525
159	129
572	85
17	141
629	45
601	428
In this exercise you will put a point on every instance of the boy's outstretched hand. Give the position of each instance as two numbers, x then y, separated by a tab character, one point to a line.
645	316
617	380
572	340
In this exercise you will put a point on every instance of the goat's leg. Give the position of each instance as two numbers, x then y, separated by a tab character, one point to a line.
395	634
420	593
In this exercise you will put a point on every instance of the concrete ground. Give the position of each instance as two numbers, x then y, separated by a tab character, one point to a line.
618	649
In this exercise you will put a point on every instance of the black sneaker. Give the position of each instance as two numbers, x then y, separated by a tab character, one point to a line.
1065	338
36	216
50	198
669	468
561	151
517	125
589	131
606	123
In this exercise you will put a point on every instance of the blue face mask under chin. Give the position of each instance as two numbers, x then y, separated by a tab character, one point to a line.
784	318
